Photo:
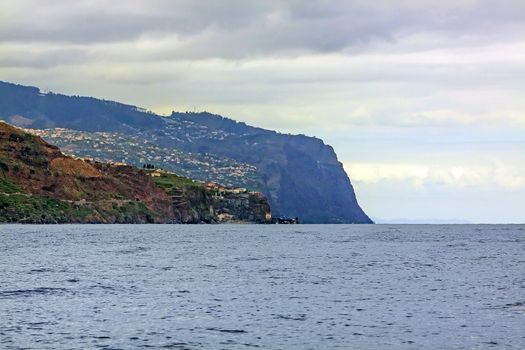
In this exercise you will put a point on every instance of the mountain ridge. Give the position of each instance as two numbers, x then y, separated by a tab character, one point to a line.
39	184
300	175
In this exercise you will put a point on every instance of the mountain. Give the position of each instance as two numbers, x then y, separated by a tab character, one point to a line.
133	149
39	184
300	175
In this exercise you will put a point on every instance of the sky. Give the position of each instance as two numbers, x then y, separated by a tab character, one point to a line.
423	101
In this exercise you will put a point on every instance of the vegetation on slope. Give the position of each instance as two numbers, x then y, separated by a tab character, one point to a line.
194	202
39	184
300	175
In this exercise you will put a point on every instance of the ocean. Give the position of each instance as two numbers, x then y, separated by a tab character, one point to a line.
262	286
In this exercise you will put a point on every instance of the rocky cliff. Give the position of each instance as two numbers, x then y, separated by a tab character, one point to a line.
301	176
39	184
195	202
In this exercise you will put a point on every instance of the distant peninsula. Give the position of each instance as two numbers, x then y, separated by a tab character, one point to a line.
39	184
299	175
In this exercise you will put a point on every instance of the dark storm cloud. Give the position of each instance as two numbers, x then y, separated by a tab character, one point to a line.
236	28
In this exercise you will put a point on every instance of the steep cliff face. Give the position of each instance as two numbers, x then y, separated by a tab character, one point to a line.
314	186
299	175
39	184
194	203
243	207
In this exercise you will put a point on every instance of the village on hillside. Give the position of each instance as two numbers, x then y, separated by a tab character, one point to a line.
115	147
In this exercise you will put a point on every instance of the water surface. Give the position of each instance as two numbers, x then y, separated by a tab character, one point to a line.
272	287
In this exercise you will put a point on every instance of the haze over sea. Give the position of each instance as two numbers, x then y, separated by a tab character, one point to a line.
267	286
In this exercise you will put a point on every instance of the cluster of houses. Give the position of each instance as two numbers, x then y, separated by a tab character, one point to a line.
221	190
189	130
155	173
106	145
136	150
218	189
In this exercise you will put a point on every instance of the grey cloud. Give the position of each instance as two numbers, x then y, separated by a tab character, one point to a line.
237	29
41	59
70	22
410	80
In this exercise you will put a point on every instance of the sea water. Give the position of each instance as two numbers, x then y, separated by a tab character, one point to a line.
267	286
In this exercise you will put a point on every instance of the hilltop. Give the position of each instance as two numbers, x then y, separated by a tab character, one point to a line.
300	175
39	184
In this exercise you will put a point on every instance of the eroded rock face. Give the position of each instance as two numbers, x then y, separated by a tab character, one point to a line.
301	176
39	184
242	207
194	204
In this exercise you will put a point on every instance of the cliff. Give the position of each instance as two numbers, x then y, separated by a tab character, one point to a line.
39	184
194	202
301	176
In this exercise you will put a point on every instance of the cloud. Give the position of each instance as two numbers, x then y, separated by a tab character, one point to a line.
418	191
400	199
393	85
250	28
425	176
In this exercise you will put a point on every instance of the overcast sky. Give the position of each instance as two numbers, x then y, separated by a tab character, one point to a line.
423	101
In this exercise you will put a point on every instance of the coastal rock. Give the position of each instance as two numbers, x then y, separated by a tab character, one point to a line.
39	184
301	176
